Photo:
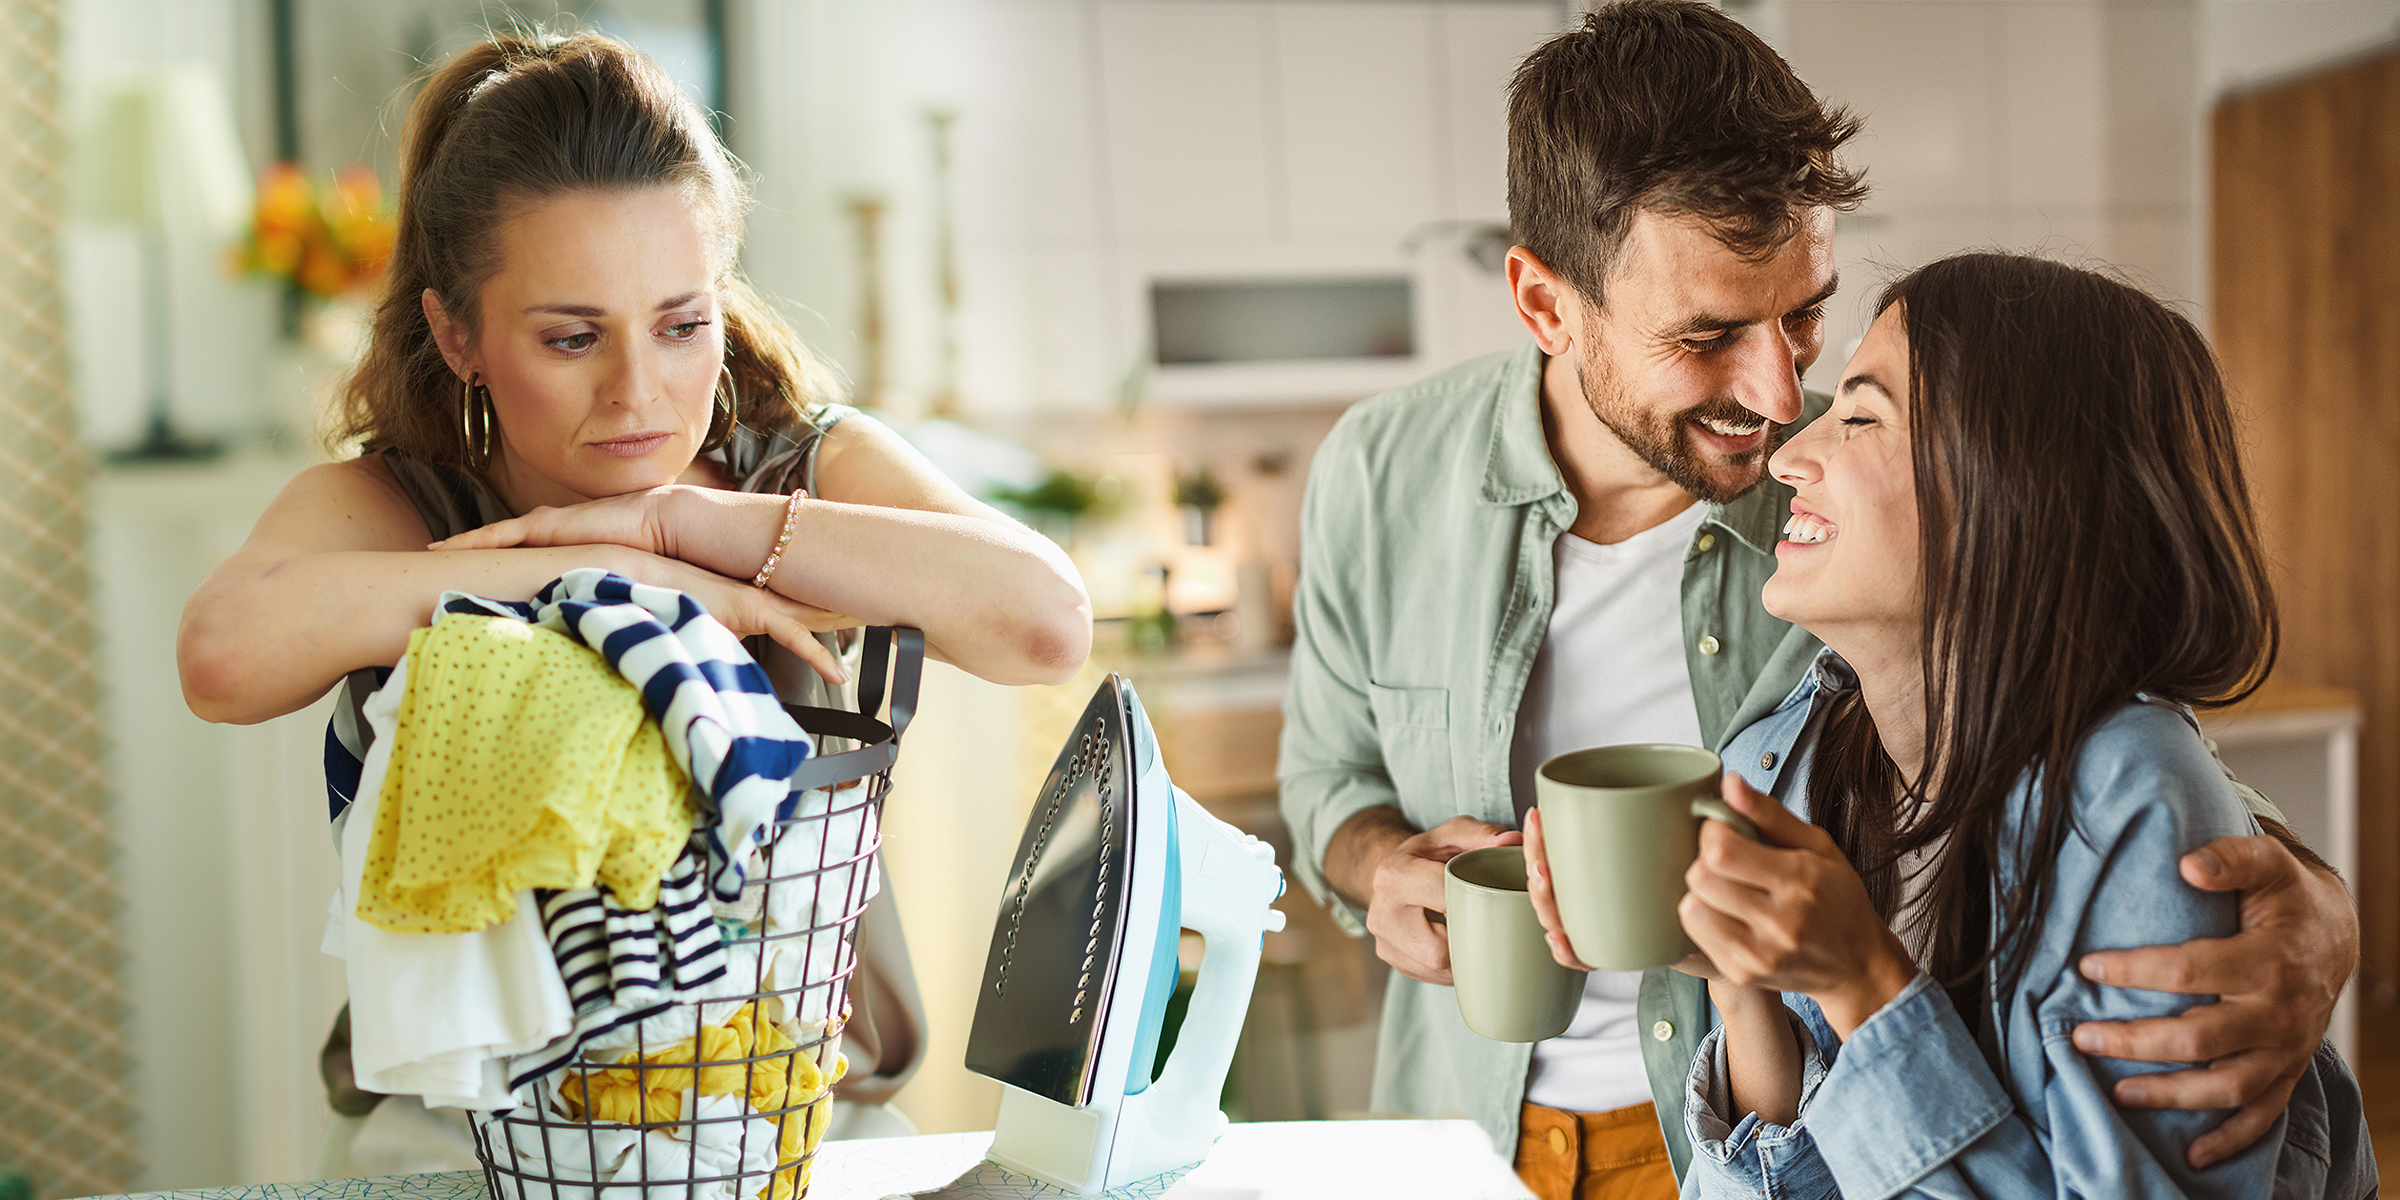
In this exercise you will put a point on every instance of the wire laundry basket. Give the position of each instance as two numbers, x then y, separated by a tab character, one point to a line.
727	1098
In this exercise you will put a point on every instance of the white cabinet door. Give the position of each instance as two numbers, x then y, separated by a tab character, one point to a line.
1355	86
1926	77
1188	103
1481	47
1038	324
1027	139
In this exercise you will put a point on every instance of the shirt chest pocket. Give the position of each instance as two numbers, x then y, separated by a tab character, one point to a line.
1413	723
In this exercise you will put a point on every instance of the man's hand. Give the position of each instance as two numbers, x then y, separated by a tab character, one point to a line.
2275	982
1377	859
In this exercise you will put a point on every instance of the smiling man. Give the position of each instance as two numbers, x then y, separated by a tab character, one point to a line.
1564	547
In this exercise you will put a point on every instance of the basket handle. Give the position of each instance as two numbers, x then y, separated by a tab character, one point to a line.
880	743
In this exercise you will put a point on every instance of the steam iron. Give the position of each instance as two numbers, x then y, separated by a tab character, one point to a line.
1116	862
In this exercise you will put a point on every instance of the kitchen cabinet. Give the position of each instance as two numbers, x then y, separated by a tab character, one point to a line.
1481	45
1295	121
1101	145
1309	141
1188	99
1029	148
1360	139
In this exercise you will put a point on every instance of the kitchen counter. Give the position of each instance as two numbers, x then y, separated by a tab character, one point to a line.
1289	1160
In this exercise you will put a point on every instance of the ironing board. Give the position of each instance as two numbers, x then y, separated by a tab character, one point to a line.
1268	1160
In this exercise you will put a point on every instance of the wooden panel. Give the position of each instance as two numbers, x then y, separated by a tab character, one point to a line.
2306	282
1221	753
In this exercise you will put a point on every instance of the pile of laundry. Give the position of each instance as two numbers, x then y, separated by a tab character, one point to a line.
739	1100
578	889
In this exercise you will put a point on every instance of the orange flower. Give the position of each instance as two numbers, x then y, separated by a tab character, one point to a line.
327	241
322	269
285	201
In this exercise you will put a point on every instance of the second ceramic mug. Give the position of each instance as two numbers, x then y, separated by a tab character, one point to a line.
1509	988
1620	825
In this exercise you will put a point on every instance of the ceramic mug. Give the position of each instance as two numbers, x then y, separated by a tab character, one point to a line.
1509	987
1621	824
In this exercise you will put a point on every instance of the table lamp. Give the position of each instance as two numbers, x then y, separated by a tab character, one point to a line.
161	154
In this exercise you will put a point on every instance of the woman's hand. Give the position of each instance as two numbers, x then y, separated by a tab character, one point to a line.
748	610
1790	913
633	519
1545	901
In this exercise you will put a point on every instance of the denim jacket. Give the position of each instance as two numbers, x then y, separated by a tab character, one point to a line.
1916	1105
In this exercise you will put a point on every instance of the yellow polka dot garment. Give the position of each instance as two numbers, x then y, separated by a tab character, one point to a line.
520	760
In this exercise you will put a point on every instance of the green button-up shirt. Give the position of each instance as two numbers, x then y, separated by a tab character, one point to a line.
1425	588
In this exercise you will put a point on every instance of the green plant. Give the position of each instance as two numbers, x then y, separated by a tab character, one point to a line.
1199	489
1061	491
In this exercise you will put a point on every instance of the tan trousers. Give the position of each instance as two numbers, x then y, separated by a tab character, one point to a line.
1614	1155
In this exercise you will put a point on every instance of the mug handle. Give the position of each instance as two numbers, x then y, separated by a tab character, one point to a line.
1717	810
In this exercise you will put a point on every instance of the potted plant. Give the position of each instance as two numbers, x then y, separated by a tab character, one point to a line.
1199	495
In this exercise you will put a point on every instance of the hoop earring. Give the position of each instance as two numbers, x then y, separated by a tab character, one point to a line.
475	422
728	408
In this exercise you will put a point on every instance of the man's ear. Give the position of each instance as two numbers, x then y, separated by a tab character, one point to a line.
447	334
1550	306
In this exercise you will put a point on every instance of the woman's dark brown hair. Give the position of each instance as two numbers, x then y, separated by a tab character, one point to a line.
2086	536
517	118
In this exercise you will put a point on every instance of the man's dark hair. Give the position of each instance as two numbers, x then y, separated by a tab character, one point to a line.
1668	106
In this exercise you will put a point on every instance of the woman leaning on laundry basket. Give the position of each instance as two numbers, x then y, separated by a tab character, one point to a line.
567	369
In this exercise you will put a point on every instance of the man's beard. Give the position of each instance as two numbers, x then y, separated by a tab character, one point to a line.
1666	441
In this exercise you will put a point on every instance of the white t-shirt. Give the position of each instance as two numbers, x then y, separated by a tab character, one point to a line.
1611	670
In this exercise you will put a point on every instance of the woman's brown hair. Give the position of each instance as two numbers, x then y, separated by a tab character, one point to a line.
2086	537
519	117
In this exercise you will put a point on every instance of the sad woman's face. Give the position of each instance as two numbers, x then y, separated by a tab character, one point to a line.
601	343
1846	568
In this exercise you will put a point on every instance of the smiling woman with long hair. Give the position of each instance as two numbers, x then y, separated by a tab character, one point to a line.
2023	535
568	370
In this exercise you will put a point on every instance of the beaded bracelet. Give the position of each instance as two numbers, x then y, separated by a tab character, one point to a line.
791	516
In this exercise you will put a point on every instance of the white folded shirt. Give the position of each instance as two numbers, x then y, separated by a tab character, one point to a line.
437	1014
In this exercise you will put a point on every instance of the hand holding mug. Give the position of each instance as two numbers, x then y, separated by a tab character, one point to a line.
1789	912
1410	892
1545	900
1617	825
1545	906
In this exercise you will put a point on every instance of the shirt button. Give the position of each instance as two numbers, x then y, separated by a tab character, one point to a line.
1558	1141
1663	1030
1708	542
1709	644
1766	762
